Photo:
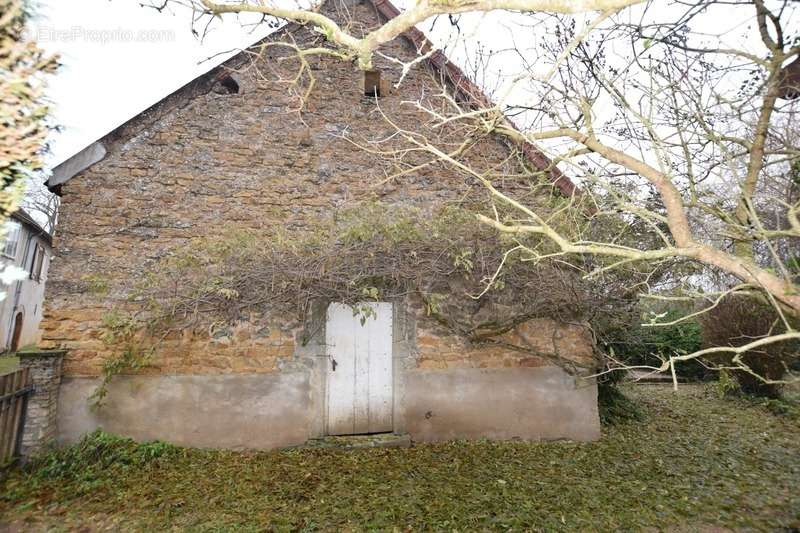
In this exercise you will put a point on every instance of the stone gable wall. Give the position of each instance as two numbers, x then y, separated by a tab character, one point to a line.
247	160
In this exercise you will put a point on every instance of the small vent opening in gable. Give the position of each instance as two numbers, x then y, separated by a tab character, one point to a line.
227	85
372	83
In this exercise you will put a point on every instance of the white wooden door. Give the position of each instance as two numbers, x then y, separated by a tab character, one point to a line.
359	370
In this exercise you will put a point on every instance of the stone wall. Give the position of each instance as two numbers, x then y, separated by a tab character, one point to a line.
534	343
245	347
204	161
42	407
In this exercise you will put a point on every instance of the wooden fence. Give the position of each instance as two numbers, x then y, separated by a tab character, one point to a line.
14	391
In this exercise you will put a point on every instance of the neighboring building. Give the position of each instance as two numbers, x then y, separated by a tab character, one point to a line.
28	246
224	151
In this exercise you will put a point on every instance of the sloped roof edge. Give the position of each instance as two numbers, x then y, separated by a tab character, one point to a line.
97	150
25	218
474	95
460	82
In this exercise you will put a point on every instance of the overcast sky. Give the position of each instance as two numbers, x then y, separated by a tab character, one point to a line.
119	58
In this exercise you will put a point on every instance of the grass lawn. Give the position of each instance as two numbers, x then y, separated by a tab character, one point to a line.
695	463
8	363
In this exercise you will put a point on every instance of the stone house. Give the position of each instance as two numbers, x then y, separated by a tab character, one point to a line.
28	246
234	148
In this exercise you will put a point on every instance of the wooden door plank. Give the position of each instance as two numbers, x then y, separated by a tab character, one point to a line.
17	413
379	377
6	387
341	375
360	334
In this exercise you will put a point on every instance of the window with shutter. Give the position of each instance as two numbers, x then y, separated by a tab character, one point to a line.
11	242
37	262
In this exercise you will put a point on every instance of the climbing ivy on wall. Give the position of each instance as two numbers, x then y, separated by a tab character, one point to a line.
368	252
364	253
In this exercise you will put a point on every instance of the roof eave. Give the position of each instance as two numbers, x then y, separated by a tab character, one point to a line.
76	164
26	219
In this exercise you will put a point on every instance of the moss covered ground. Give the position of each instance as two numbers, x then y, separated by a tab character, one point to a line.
8	363
694	462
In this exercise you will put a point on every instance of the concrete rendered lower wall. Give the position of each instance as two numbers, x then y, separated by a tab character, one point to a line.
543	403
259	411
276	410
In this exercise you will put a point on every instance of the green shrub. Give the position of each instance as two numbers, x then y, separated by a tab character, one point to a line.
613	405
650	345
726	385
681	338
95	458
779	407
